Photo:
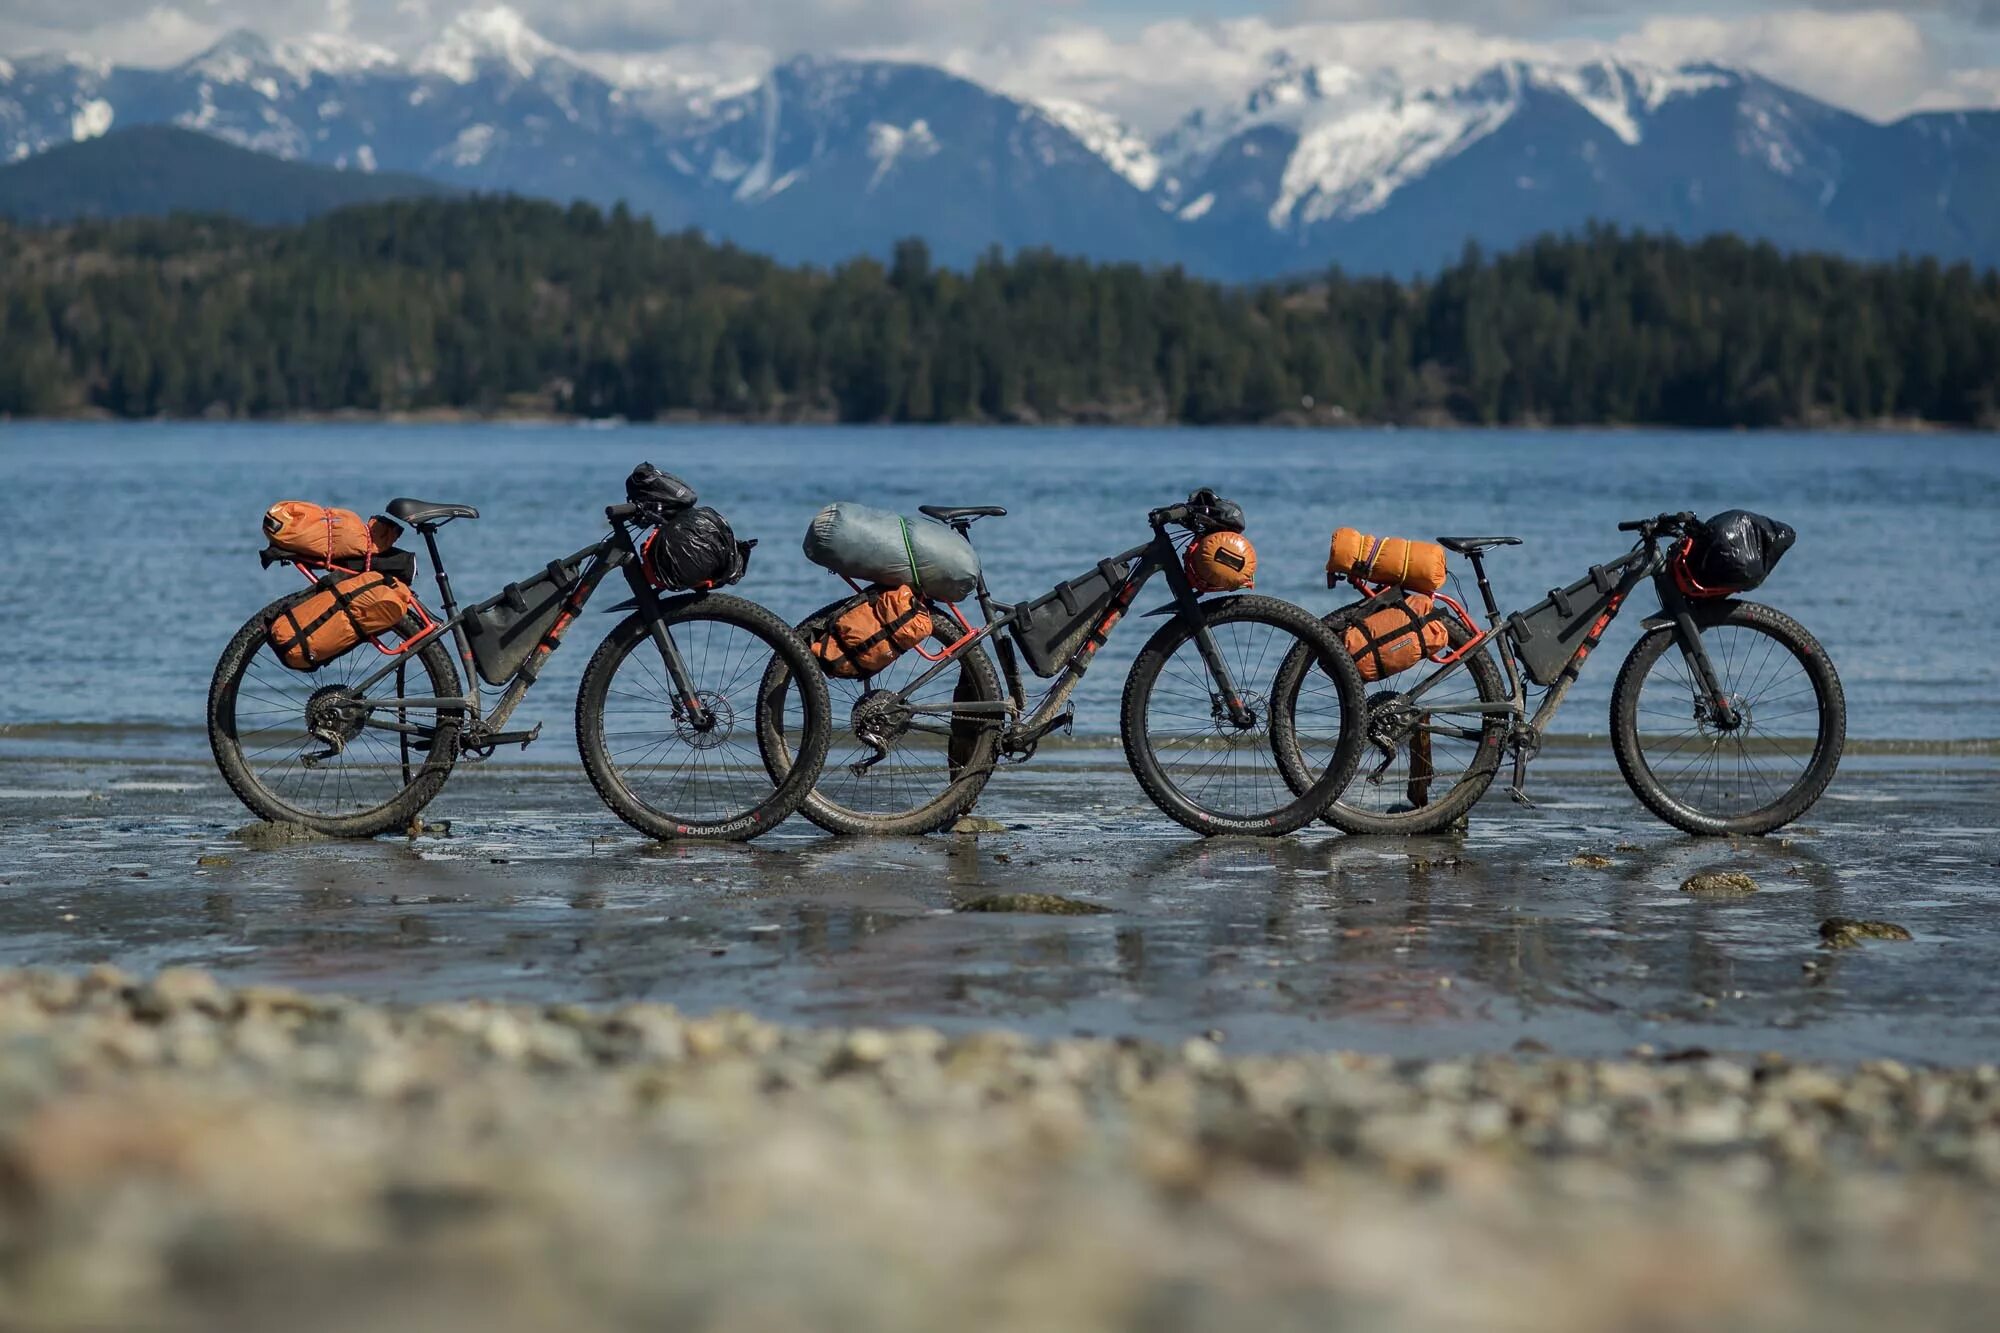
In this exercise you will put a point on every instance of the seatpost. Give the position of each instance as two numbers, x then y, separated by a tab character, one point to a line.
1485	588
437	567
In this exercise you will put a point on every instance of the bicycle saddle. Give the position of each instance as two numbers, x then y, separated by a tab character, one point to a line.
1474	545
961	513
428	513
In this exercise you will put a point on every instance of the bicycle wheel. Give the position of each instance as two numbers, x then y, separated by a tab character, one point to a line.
660	771
295	750
937	763
1421	768
1202	768
1755	777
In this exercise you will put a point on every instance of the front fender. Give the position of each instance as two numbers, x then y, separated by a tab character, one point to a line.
660	598
1703	612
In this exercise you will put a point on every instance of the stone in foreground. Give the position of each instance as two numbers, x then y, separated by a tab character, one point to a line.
1840	932
1719	884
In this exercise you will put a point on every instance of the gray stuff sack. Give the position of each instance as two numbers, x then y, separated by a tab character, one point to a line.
876	546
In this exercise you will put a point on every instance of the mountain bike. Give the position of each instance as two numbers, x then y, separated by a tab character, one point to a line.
1197	722
664	717
1727	716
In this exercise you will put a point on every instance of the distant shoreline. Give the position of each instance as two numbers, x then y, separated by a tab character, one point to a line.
1283	422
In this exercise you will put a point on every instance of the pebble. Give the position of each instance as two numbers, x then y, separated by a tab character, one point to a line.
722	1171
1718	883
1839	932
977	824
1039	904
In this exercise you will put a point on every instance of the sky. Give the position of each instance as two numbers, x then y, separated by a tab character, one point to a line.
1145	60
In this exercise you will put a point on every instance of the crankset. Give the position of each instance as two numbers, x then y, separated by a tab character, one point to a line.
1020	743
477	744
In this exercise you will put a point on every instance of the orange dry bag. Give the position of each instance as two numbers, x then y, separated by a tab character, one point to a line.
875	631
333	621
1397	637
327	536
1399	563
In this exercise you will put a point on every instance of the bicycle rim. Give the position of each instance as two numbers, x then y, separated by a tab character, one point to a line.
348	773
1736	773
1228	774
701	771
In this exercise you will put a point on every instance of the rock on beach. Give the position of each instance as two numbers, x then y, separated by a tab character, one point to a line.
177	1152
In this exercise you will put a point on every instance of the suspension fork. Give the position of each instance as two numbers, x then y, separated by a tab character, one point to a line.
1694	652
689	700
1189	606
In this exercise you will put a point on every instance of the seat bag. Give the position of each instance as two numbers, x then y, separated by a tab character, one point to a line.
1392	561
335	620
875	546
1051	628
1735	551
1397	637
871	634
325	536
696	549
504	630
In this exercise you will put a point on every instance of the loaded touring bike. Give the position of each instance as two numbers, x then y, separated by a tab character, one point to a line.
1200	725
665	716
1727	716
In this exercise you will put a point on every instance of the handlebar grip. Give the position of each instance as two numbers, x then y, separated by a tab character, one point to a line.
1638	525
621	513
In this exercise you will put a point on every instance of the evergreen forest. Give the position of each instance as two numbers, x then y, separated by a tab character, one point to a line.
509	305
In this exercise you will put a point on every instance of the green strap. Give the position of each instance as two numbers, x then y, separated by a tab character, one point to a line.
910	552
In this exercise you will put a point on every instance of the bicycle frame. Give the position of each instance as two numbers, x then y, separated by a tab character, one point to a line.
1644	561
616	551
1157	556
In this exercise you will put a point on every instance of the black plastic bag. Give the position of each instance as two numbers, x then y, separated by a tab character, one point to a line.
1738	550
661	495
697	549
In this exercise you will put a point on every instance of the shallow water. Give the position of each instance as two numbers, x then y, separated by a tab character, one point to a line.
131	548
1430	946
131	551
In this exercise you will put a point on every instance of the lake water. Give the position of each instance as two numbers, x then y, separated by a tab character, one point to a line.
130	550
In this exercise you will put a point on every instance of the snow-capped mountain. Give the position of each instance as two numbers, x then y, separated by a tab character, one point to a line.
1315	163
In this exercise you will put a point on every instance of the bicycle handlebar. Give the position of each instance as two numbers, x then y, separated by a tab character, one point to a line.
621	513
1663	523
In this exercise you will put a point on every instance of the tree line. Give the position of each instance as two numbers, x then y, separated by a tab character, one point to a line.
500	304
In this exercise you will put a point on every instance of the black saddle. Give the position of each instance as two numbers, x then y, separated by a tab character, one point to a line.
428	513
1474	545
961	515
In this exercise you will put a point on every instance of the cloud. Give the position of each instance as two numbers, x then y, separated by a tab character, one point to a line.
1153	76
1962	88
1877	61
1504	15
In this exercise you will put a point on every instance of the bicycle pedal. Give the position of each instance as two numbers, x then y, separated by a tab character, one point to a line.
1520	798
521	738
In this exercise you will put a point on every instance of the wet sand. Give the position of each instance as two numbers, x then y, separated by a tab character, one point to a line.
1432	947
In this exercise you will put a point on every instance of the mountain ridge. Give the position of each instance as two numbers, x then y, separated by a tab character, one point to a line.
1373	169
154	169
